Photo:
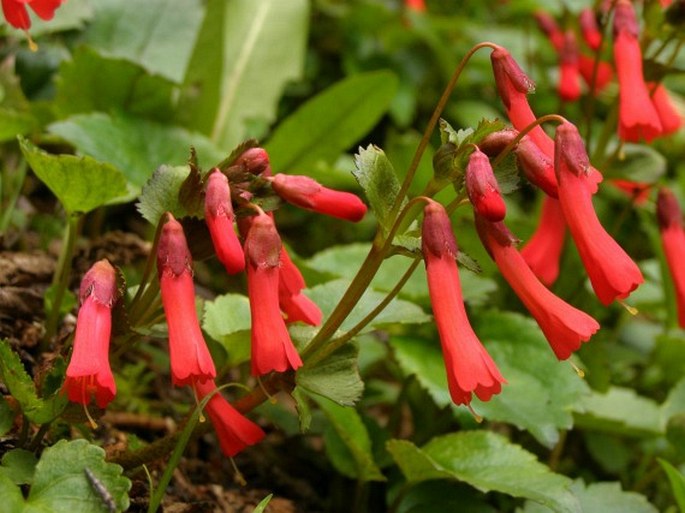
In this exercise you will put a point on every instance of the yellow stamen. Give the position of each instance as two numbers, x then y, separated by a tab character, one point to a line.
631	309
476	417
86	399
32	44
579	371
238	477
197	402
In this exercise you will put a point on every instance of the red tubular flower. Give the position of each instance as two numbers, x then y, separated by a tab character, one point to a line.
295	305
637	117
569	74
469	367
670	118
543	251
612	272
307	193
235	431
564	326
191	362
588	26
604	75
670	219
638	191
482	187
272	349
88	373
219	218
16	14
549	26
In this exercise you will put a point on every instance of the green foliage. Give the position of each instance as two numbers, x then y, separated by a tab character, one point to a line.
160	194
677	480
487	461
261	507
227	320
19	465
6	416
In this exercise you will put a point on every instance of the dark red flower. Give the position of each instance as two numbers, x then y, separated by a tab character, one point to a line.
637	117
612	272
235	431
470	369
543	251
89	374
191	362
482	187
569	74
219	218
272	349
564	326
670	219
588	26
307	193
16	14
670	118
295	305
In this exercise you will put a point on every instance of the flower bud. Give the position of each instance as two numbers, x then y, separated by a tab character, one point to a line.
483	189
437	237
509	77
219	218
255	161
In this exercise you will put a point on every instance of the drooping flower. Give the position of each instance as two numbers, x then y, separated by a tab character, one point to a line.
549	26
612	272
295	305
569	73
304	192
470	369
543	251
564	326
588	27
219	218
671	119
670	219
272	348
235	431
601	78
482	187
637	117
89	374
191	362
16	14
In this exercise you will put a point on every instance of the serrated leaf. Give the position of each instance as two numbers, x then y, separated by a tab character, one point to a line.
240	42
81	184
160	193
227	320
90	82
21	387
378	178
604	497
19	465
157	34
136	147
488	462
331	122
60	484
6	416
348	443
336	377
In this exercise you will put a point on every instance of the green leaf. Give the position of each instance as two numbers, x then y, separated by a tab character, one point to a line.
15	122
134	146
677	480
488	462
604	497
246	53
90	82
12	499
160	193
261	507
60	484
335	377
304	412
6	416
157	34
81	184
227	320
19	465
641	163
621	411
21	387
378	178
443	496
348	443
331	122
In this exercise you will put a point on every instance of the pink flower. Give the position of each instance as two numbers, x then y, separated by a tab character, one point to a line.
295	305
16	14
670	118
469	367
569	74
637	117
612	272
544	248
670	219
564	326
482	187
191	362
307	193
234	430
272	349
89	373
219	218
